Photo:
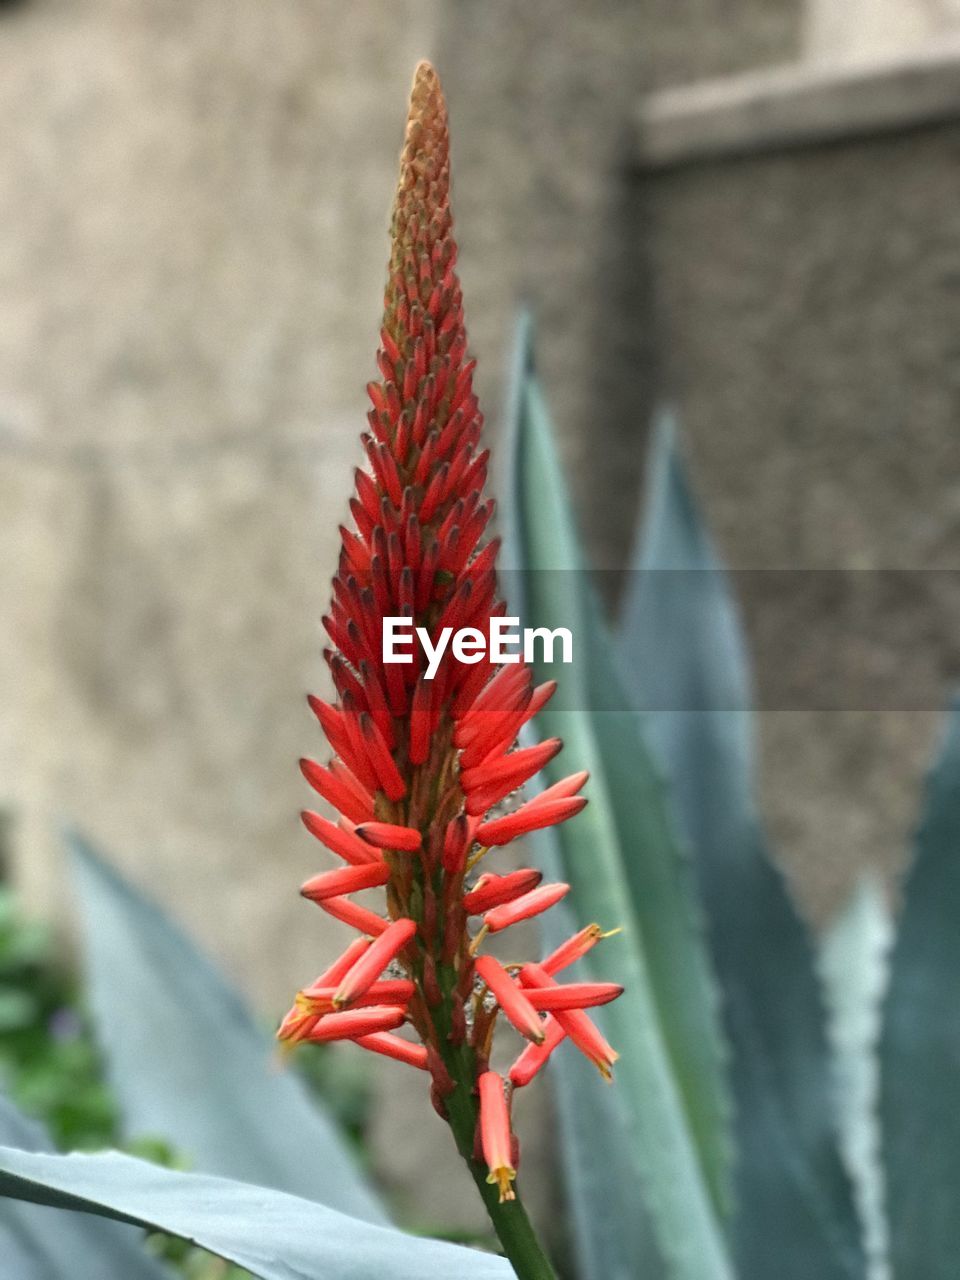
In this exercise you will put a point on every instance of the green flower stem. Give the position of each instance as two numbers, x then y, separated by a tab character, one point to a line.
510	1221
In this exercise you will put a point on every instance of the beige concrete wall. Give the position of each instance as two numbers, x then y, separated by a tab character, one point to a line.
806	318
542	111
865	29
193	203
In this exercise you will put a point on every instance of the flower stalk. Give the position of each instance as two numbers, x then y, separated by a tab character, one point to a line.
424	755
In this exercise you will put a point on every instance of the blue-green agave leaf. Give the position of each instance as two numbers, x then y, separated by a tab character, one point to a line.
186	1059
920	1048
611	1227
684	660
854	953
623	863
76	1247
274	1235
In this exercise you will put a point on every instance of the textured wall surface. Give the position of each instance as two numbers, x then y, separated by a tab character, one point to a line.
875	28
542	115
193	210
807	310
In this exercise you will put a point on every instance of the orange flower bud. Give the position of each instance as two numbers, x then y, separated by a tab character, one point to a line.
523	908
510	998
575	1023
495	1135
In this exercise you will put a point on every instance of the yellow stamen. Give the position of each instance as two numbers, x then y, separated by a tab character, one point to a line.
478	940
472	861
605	1066
503	1177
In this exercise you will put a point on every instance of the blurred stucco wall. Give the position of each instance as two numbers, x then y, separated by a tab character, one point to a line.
194	201
193	211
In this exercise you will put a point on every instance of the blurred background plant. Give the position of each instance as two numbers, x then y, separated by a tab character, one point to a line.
49	1063
51	1067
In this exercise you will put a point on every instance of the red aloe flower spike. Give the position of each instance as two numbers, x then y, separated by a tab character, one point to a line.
354	1023
492	891
495	1134
415	1055
575	1023
374	960
510	998
418	763
535	1056
523	908
329	884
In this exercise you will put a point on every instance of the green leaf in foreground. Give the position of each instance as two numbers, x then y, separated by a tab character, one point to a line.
273	1235
612	1229
683	655
187	1061
72	1246
920	1048
623	863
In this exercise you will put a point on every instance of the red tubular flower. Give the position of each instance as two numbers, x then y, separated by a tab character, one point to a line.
343	843
351	800
535	1056
327	999
369	875
525	907
574	948
574	995
353	914
296	1024
354	1023
374	960
495	1137
515	1005
422	754
492	891
391	1046
388	835
575	1023
532	816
